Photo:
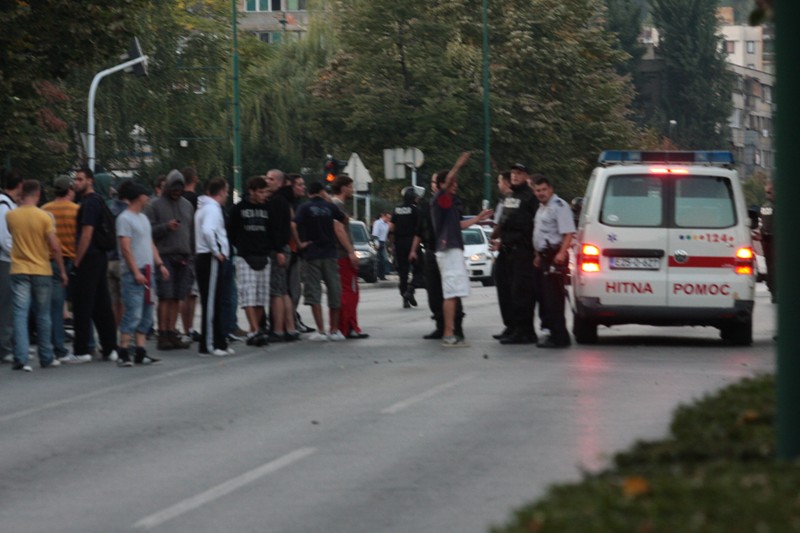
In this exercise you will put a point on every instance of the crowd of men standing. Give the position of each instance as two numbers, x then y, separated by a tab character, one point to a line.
132	261
135	263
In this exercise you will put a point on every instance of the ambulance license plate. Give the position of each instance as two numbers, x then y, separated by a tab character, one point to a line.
635	263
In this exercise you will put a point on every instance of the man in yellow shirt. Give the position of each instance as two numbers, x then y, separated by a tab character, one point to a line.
34	239
65	213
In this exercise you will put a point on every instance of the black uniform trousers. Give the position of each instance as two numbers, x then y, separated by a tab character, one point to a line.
505	288
91	302
433	285
551	303
521	291
402	247
212	292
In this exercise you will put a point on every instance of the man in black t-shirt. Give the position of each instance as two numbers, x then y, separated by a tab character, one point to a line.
90	284
318	235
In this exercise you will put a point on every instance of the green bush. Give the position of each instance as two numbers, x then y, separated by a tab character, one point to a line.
716	472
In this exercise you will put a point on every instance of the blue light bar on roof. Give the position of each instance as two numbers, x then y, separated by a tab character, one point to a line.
708	157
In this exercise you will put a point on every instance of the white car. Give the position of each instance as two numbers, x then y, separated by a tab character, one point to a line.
477	255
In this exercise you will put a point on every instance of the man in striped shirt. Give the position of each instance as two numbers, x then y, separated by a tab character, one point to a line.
65	212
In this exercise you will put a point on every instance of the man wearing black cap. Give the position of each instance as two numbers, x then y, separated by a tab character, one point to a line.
515	260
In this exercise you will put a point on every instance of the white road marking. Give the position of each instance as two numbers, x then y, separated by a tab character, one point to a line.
399	406
189	504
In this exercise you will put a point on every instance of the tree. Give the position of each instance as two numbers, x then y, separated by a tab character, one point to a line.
557	98
40	45
697	85
177	116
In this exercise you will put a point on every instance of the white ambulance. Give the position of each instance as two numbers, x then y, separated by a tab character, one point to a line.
664	239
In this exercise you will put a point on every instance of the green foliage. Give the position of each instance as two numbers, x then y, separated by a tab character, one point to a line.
716	472
185	95
40	45
697	85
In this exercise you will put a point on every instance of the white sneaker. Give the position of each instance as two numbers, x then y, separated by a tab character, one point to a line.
113	356
53	363
336	336
24	368
220	353
8	358
318	337
71	358
230	351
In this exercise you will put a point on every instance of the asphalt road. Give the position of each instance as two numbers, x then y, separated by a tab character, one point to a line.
388	434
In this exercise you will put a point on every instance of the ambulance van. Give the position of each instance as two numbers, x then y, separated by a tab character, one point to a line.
664	239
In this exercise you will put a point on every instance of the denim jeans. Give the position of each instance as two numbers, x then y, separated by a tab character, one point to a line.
6	310
57	298
138	316
32	290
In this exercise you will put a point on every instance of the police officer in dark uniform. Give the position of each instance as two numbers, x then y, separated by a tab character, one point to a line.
552	236
402	226
515	279
767	233
426	236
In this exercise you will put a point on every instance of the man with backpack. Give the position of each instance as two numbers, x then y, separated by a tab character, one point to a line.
95	237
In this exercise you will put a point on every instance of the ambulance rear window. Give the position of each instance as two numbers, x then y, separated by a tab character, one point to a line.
633	201
704	202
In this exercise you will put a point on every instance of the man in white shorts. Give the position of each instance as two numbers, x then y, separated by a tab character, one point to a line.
446	211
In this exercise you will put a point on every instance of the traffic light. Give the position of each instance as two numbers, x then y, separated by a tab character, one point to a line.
331	168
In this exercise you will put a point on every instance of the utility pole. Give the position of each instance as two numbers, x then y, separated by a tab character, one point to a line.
487	191
237	142
787	53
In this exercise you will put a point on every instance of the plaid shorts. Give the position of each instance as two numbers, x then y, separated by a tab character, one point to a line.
252	285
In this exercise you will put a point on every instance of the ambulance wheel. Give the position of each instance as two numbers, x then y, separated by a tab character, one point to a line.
738	333
585	330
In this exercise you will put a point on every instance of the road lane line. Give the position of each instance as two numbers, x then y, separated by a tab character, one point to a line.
404	404
189	504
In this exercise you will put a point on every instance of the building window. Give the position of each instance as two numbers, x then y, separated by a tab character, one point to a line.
730	47
751	47
295	5
262	5
272	37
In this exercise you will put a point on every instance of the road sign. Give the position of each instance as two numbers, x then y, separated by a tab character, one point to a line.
355	169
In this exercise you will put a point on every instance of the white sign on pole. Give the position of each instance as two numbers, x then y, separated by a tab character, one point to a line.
355	169
414	157
394	160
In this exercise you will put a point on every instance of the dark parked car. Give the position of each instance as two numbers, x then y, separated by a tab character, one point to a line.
365	252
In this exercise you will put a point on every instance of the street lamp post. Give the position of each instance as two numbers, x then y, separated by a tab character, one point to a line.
487	192
672	124
90	133
237	144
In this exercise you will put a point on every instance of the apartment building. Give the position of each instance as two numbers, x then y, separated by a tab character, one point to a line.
273	20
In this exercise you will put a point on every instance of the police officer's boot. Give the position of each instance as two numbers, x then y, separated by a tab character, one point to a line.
437	333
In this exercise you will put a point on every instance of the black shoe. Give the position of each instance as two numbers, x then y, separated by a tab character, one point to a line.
518	339
291	337
357	335
435	334
406	303
275	337
550	344
141	357
124	359
410	297
505	333
302	328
